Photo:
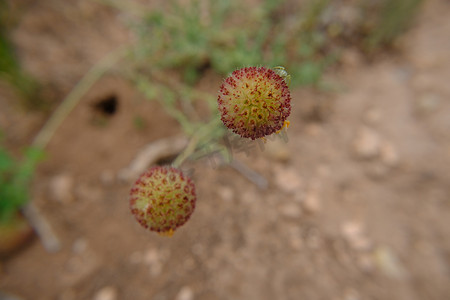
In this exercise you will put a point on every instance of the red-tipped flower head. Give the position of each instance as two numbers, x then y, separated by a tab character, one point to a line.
162	199
254	102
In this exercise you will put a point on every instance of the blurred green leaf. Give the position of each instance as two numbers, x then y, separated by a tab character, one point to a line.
309	73
15	178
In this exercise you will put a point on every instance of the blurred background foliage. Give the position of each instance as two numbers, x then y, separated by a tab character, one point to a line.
10	67
305	36
15	178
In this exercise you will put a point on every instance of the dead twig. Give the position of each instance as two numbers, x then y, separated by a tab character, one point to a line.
250	174
42	227
152	153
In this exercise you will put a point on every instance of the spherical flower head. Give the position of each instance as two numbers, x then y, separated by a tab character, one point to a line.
254	102
162	199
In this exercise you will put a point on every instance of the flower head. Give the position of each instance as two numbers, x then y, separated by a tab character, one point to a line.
254	102
162	199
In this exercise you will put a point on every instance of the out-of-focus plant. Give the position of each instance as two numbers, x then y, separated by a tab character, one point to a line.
193	37
15	179
387	21
10	68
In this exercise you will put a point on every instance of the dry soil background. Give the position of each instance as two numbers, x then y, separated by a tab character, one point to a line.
358	202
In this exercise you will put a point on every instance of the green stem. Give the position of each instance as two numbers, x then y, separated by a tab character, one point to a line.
207	133
188	151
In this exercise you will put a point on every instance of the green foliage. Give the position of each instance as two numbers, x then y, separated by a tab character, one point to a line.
194	36
391	19
10	69
226	35
15	179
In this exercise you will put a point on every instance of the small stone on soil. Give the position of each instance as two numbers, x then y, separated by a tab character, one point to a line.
311	203
354	234
388	154
185	293
61	188
226	193
366	143
288	180
106	293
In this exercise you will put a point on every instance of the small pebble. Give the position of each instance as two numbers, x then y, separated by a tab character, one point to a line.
351	294
388	154
61	188
366	143
185	293
226	193
106	293
311	203
354	234
155	260
288	180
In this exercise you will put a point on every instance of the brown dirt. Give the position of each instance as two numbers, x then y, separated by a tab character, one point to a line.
357	205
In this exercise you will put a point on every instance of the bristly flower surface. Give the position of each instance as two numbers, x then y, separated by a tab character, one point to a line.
254	102
162	199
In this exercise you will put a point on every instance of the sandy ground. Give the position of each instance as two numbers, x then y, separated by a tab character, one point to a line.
357	205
